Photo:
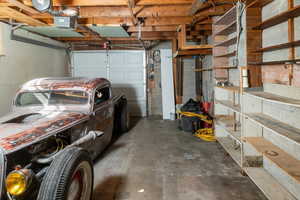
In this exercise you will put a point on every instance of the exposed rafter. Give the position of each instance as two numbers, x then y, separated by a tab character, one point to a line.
161	18
20	17
113	2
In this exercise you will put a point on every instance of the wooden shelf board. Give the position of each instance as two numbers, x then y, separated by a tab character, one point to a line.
231	28
268	184
279	62
213	68
279	46
228	17
274	98
195	47
236	135
259	3
284	16
282	159
225	120
230	88
229	105
192	52
227	144
274	125
230	54
227	43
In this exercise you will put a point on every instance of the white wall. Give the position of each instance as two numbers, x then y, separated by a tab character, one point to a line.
22	62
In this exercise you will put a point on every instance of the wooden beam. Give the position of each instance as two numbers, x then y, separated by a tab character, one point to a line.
131	3
151	21
152	28
198	28
20	17
155	34
22	6
182	37
201	46
218	10
138	11
193	52
113	2
197	5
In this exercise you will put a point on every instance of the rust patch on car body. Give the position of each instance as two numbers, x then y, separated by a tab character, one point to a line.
25	134
64	84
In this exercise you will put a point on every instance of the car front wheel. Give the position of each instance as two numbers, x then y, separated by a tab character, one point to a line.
69	177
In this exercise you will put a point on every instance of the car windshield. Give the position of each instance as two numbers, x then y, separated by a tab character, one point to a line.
52	98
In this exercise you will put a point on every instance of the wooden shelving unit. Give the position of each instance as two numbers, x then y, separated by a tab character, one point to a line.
279	46
282	17
271	132
268	184
274	98
192	52
213	68
228	17
258	127
227	42
276	155
230	148
230	88
275	126
231	28
259	3
227	98
230	54
228	104
279	62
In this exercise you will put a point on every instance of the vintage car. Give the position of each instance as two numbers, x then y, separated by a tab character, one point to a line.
56	128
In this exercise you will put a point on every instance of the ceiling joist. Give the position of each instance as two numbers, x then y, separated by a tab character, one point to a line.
20	17
113	2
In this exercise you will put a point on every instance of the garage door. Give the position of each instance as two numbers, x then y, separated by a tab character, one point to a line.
125	70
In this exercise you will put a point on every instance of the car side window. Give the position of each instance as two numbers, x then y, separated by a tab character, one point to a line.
101	95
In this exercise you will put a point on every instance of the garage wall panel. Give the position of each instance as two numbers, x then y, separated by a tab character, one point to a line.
22	62
125	70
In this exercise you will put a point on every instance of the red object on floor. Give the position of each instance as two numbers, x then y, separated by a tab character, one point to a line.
206	106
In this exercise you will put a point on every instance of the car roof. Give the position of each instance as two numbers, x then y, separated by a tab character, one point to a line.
66	83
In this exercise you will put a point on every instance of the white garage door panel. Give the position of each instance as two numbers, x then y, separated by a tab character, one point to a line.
131	59
125	69
90	72
89	59
126	76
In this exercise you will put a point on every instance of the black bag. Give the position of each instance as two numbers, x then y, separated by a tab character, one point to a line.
190	124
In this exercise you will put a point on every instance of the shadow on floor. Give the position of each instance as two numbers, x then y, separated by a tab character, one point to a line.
108	189
112	146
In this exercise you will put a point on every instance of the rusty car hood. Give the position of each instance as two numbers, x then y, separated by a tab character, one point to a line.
20	129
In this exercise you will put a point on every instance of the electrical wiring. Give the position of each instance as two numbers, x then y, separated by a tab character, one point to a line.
200	116
206	134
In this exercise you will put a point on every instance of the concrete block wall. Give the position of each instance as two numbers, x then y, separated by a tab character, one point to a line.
277	35
21	62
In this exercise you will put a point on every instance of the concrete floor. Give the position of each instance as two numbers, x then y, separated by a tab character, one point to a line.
156	161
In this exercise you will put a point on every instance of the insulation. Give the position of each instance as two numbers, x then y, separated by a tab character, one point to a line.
52	31
110	31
